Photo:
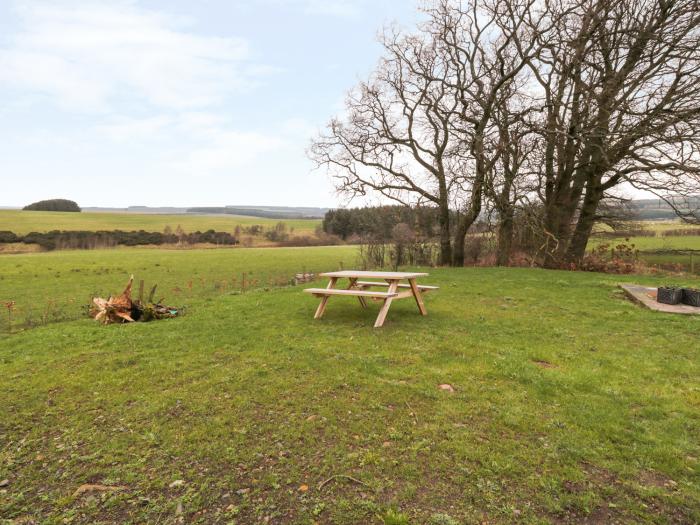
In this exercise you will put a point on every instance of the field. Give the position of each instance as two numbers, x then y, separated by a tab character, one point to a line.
570	404
23	222
677	248
58	285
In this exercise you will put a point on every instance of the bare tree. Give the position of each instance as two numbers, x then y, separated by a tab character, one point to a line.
488	45
561	101
397	138
620	93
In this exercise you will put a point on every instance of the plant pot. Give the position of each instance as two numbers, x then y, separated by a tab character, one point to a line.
691	297
668	295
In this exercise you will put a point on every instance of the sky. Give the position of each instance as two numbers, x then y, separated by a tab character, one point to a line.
178	102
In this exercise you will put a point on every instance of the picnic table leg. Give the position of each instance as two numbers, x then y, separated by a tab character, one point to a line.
393	286
418	296
324	300
353	285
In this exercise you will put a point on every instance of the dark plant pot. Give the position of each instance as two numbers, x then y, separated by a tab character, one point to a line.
668	295
691	297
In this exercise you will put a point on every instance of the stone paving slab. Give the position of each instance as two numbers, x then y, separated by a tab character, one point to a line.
647	297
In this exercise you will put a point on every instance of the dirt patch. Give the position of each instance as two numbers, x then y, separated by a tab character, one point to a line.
652	478
543	364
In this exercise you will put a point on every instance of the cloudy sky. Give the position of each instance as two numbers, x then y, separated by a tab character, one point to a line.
175	102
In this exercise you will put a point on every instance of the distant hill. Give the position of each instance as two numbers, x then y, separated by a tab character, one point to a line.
268	212
169	210
657	209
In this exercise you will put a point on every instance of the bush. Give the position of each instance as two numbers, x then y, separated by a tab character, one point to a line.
83	240
682	232
53	205
7	237
620	259
278	233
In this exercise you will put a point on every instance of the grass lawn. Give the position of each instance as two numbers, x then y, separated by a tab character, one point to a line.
57	285
23	222
571	405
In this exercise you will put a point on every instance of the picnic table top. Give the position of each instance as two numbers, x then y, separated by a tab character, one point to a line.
359	274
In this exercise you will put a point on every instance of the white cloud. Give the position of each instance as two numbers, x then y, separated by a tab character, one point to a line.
332	7
229	152
86	55
339	8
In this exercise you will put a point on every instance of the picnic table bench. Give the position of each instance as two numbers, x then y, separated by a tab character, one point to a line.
362	290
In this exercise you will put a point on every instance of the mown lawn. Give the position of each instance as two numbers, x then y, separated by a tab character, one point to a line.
23	222
571	405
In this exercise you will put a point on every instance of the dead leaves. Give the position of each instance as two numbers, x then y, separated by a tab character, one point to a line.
96	487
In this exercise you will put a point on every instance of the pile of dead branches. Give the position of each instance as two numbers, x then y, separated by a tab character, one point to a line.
121	309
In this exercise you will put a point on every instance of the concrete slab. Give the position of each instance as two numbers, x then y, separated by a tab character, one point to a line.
647	297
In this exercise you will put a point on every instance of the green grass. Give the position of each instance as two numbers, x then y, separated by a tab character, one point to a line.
662	243
570	404
23	222
646	245
57	285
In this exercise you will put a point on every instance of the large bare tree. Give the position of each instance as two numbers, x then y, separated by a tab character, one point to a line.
488	45
620	95
396	138
565	101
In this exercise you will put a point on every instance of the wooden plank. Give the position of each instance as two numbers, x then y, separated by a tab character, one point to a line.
347	274
423	287
349	293
353	286
324	300
387	304
419	298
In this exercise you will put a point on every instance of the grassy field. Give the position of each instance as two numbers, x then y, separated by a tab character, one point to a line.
57	285
23	222
570	404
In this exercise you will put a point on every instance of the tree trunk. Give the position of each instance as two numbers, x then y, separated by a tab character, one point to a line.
505	238
445	235
458	251
585	223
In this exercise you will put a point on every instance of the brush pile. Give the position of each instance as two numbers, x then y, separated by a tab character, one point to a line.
121	309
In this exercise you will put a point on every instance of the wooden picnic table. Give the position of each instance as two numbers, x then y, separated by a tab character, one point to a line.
363	289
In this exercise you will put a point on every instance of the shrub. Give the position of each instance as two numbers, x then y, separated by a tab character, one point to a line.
682	232
53	205
7	237
621	259
278	233
57	240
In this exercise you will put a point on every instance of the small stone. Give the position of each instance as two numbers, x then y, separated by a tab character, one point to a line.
242	492
177	483
4	483
179	510
312	417
446	387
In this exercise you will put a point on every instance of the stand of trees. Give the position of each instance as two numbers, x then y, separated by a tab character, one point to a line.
378	222
53	205
540	111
